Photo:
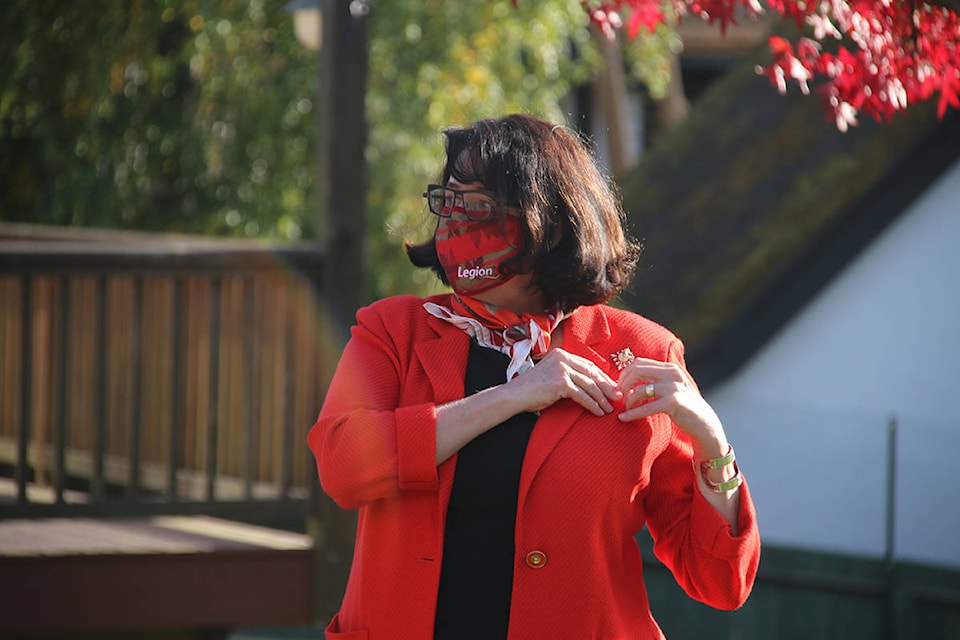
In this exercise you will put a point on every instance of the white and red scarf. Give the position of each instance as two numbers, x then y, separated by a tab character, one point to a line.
524	337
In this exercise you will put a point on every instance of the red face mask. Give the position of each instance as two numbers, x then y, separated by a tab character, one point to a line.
472	251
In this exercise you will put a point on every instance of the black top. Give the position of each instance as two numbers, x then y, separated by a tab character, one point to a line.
476	577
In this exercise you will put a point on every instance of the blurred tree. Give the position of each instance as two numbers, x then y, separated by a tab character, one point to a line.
173	115
198	116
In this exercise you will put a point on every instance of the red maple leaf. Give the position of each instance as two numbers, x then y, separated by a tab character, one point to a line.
648	15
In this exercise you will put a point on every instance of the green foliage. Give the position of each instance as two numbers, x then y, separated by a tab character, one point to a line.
197	115
174	115
436	64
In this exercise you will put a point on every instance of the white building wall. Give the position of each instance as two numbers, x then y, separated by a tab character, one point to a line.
809	413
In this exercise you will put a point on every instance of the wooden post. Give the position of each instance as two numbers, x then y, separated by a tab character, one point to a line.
341	225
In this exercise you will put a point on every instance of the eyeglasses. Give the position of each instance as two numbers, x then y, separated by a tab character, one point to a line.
478	204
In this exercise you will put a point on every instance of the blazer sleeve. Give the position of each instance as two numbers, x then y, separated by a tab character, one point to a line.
366	446
690	537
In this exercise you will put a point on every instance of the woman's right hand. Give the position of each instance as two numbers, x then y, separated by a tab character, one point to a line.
561	374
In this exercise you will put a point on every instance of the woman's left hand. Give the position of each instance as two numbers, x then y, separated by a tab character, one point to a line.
671	391
675	394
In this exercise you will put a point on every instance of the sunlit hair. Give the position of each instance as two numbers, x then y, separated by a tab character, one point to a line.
574	239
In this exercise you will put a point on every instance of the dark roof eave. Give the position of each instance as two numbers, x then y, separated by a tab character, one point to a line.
802	279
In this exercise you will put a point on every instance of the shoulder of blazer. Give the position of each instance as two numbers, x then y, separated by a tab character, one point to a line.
403	315
640	332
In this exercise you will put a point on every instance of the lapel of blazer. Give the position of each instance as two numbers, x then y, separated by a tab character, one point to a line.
444	361
584	332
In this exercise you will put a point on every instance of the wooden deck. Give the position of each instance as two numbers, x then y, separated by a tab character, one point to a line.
171	572
144	376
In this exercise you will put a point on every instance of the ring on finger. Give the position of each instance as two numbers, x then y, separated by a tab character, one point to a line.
650	390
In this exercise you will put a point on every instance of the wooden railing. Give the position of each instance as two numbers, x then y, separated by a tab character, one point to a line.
159	376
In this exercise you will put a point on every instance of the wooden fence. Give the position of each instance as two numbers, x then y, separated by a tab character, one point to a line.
148	376
807	595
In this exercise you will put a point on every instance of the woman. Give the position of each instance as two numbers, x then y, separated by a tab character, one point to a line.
505	443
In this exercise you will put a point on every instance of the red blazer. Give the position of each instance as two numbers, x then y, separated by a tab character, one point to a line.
587	486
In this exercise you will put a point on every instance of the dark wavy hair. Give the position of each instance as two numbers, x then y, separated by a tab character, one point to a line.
574	241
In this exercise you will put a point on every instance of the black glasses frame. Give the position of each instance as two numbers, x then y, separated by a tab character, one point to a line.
436	195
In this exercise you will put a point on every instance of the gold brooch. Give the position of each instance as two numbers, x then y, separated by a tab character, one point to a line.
622	358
